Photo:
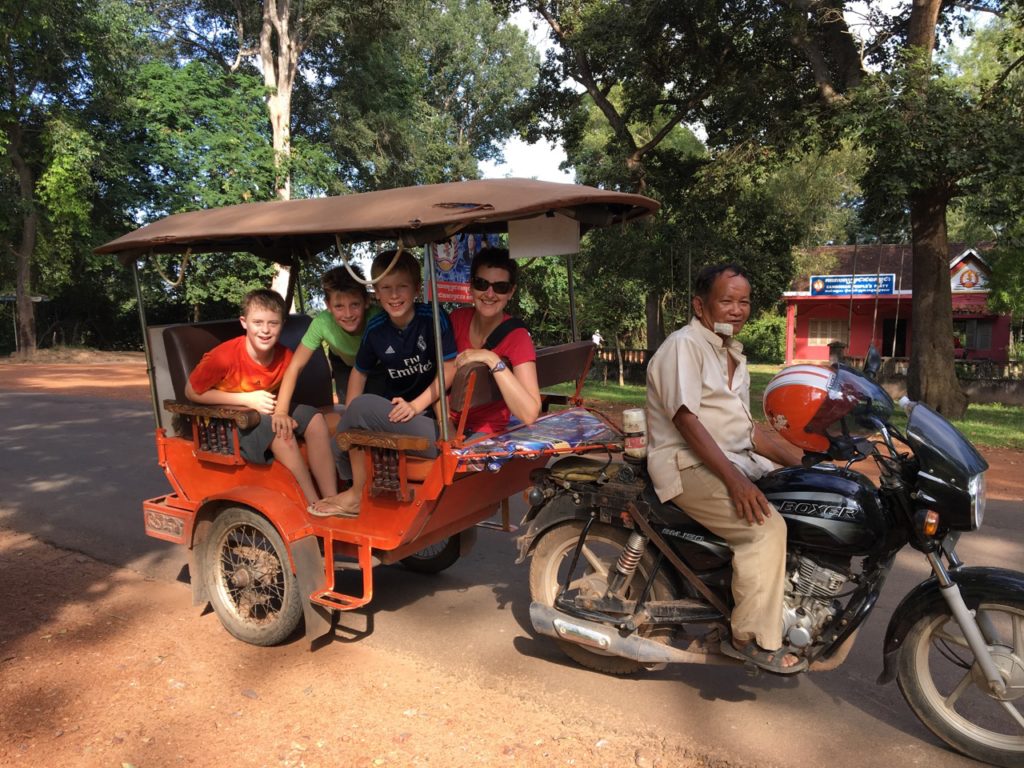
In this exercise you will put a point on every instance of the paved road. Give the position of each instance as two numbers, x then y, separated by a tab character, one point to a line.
73	471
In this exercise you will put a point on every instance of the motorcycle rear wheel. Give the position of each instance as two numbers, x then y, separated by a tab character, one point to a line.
551	560
942	683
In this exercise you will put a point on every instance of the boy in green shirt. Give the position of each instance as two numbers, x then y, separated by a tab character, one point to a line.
340	326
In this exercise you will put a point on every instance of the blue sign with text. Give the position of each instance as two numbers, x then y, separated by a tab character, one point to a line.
844	285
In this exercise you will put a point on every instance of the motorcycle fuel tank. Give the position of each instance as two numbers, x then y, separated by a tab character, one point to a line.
827	508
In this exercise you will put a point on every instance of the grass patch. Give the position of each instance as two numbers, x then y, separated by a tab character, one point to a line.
994	425
989	424
631	395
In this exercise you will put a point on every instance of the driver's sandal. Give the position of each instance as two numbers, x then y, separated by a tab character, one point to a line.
770	661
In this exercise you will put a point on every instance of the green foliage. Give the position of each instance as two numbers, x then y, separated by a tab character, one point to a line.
425	101
817	191
206	133
542	300
615	271
1007	259
925	131
764	338
66	184
732	213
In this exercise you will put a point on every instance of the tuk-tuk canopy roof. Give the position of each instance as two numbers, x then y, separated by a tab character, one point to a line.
286	230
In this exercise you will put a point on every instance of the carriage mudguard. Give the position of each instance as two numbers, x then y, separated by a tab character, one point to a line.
976	585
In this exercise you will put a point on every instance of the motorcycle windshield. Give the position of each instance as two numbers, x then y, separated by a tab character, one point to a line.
941	450
949	478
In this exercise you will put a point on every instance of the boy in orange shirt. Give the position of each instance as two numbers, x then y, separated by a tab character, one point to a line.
247	371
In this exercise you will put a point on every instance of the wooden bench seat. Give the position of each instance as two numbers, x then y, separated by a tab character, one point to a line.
214	427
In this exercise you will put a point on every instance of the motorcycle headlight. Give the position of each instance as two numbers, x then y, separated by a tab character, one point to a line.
976	490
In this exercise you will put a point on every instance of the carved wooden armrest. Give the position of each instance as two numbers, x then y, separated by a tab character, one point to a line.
244	418
390	440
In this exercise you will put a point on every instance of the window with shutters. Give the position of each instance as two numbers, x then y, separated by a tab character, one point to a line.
821	333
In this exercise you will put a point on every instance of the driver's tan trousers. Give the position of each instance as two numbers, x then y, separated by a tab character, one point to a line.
759	555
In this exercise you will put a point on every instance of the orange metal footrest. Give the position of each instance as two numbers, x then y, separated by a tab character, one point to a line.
329	597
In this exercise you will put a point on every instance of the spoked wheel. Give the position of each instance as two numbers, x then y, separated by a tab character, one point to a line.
249	579
435	558
944	685
549	569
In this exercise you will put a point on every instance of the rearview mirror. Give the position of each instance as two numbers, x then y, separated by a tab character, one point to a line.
872	362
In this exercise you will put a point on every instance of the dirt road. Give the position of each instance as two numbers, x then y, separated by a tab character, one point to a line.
101	667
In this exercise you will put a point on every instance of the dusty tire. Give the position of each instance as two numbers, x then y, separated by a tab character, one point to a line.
435	558
553	556
249	578
939	678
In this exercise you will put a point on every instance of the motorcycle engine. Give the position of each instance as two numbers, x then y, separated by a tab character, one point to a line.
809	603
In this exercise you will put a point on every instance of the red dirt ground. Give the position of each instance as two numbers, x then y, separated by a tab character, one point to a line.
102	667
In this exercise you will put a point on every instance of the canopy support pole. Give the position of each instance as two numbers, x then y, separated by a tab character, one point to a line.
145	346
573	329
899	291
435	306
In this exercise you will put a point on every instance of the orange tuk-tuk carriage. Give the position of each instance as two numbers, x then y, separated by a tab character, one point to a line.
255	553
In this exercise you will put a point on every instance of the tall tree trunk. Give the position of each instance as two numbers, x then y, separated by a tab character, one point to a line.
931	377
23	256
655	325
279	64
932	374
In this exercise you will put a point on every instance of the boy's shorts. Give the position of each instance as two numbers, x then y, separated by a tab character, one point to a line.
255	443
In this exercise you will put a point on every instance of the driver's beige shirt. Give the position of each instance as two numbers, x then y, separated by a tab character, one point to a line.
692	368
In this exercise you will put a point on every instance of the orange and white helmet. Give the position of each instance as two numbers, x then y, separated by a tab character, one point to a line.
820	408
793	398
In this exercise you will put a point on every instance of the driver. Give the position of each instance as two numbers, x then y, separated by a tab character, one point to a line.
705	451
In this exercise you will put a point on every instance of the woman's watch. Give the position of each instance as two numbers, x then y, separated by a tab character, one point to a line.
499	367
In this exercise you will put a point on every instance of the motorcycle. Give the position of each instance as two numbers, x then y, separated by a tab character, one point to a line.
625	582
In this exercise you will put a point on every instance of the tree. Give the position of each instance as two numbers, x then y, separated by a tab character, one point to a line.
279	37
992	208
935	135
53	75
206	145
771	79
619	89
425	102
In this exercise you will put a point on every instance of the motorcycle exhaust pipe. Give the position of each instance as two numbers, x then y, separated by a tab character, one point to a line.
604	639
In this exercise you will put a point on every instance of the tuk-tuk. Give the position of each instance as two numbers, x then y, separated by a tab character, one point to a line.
255	553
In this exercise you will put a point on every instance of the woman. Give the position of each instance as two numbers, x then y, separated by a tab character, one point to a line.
484	333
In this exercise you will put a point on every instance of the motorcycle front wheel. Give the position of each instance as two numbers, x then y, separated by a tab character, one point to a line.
942	682
549	571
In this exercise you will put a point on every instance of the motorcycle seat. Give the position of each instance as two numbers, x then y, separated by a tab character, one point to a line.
669	512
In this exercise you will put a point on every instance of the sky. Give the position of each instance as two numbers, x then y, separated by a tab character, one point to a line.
530	161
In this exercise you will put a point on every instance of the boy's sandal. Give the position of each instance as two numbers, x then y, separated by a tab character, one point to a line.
770	661
325	508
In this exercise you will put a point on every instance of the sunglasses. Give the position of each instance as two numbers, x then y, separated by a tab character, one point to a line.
501	286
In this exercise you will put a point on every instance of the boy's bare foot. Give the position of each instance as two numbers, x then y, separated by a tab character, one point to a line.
342	505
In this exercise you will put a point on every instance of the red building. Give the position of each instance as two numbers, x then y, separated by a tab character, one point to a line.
864	292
